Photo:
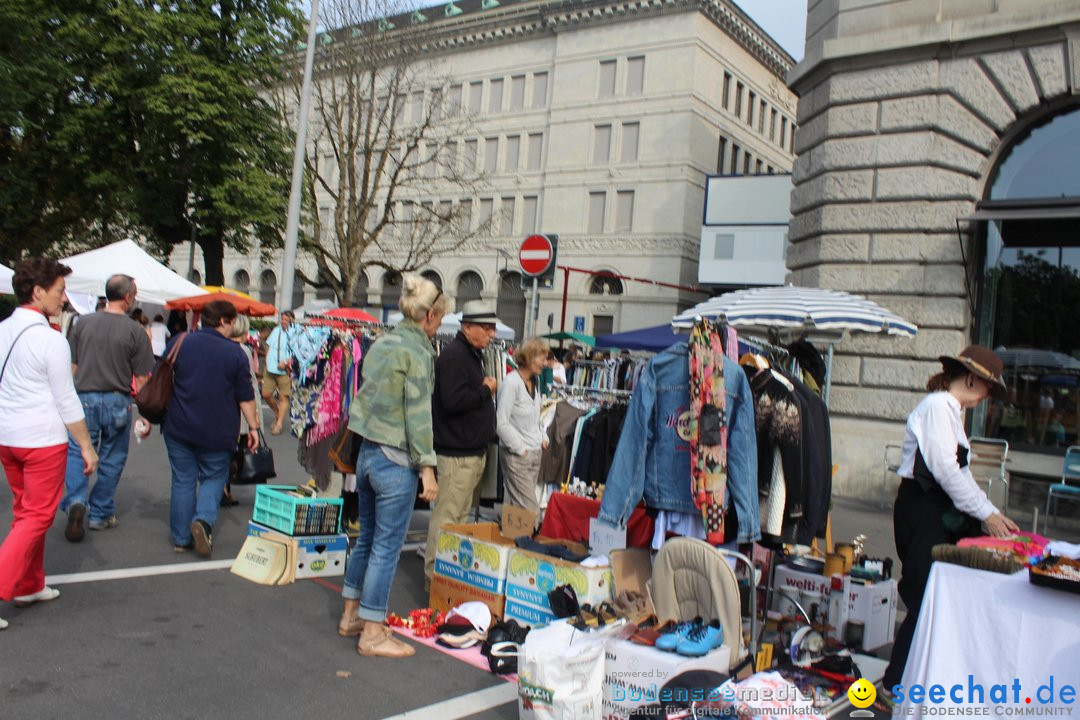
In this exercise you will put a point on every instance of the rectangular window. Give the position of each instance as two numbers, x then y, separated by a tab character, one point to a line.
444	210
506	216
453	100
624	211
738	99
597	203
450	160
517	92
759	167
770	169
772	125
472	148
487	207
491	155
726	92
465	214
603	325
791	139
761	118
536	146
539	93
607	78
528	214
431	158
751	101
417	107
630	132
476	93
513	150
635	75
720	155
495	96
601	144
734	169
746	163
783	131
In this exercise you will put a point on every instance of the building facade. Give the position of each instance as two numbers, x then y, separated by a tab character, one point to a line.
937	151
597	120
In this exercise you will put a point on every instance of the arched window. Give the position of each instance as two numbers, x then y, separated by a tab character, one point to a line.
469	287
433	277
360	291
1030	286
511	303
196	277
605	285
241	281
267	286
297	291
391	290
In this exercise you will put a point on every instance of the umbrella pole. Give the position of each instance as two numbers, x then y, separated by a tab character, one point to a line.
828	374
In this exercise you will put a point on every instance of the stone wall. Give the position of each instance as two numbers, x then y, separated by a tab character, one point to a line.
893	147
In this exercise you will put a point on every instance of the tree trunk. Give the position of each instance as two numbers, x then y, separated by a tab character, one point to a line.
213	250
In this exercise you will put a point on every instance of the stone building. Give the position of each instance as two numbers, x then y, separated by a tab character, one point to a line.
938	150
597	120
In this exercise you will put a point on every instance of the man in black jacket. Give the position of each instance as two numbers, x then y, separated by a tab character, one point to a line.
463	415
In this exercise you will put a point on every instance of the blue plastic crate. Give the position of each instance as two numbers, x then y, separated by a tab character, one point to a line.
277	509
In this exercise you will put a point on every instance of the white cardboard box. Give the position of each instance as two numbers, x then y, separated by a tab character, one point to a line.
316	555
873	605
634	674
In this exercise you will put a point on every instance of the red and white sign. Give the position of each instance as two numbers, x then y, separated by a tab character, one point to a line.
535	255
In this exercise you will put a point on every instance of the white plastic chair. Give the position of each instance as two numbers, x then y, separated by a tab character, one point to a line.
987	465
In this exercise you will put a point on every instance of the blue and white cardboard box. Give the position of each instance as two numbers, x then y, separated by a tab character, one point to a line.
531	576
316	555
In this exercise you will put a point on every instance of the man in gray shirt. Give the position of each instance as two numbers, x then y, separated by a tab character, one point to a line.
108	349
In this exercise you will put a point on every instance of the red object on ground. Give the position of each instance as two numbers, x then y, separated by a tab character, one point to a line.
243	305
567	518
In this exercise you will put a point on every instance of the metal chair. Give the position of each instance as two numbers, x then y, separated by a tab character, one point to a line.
890	464
1069	471
987	464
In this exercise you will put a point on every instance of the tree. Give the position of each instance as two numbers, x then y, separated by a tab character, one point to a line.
143	118
383	186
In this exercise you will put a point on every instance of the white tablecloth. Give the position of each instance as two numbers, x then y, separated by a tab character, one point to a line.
995	628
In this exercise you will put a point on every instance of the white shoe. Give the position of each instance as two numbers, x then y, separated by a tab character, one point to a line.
3	624
44	595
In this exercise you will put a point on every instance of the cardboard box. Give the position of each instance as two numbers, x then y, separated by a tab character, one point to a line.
634	674
531	576
313	555
447	594
873	605
477	555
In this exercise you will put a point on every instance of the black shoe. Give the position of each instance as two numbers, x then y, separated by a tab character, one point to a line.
201	536
75	530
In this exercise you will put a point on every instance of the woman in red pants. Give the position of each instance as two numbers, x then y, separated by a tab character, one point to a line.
38	407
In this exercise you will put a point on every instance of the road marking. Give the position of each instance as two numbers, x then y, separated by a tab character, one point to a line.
138	572
464	705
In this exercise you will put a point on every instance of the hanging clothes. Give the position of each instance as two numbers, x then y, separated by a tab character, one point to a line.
708	434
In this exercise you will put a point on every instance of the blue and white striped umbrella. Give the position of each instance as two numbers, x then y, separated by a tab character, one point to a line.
799	307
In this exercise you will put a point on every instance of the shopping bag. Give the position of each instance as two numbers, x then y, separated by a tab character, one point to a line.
154	396
253	466
342	450
561	674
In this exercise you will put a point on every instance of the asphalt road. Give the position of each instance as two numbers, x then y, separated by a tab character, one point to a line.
208	644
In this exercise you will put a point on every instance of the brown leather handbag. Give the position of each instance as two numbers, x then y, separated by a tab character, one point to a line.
154	396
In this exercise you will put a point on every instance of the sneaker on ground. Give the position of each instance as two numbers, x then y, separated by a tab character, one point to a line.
669	641
74	531
106	524
201	536
45	594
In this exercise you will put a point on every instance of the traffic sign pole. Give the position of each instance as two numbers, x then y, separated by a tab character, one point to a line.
536	256
534	308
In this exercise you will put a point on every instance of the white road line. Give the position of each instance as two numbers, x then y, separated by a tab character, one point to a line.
465	705
138	572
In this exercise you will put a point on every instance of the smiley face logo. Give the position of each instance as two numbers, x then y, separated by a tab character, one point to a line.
862	693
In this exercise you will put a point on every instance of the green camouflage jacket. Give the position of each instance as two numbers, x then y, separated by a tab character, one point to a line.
393	406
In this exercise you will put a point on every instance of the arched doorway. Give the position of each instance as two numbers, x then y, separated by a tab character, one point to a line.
391	292
469	287
433	277
1029	285
511	304
267	286
297	291
360	291
241	281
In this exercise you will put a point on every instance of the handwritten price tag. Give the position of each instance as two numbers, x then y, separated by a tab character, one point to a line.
517	522
603	538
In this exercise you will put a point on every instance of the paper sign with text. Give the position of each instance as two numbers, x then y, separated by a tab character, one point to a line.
517	522
604	538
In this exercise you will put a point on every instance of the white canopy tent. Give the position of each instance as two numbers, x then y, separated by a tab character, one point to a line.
156	283
452	323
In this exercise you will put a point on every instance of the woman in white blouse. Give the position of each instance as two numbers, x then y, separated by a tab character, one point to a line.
938	501
517	420
38	408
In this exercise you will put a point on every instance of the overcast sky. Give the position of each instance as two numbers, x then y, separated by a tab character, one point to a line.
784	20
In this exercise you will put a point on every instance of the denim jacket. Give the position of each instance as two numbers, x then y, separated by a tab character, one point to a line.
652	459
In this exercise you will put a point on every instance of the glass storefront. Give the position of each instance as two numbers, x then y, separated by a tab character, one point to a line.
1029	289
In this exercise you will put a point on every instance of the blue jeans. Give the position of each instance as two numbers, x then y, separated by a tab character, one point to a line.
387	492
108	418
198	479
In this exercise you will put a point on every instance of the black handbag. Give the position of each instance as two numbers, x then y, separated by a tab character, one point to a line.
253	466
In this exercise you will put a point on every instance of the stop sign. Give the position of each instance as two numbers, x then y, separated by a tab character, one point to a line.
535	255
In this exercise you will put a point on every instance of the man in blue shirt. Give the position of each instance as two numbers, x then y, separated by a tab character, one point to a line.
276	376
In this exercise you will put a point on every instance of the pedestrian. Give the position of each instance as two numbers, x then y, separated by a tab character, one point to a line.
521	441
241	335
108	350
276	376
38	409
392	414
938	501
159	336
211	388
463	411
263	350
558	370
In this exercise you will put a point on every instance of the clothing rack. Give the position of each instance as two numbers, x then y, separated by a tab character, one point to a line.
582	389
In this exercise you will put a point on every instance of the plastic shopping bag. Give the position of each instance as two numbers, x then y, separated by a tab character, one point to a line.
561	674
